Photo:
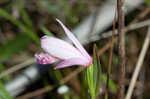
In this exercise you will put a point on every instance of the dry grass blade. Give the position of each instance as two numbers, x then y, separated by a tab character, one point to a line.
36	93
17	67
49	88
138	65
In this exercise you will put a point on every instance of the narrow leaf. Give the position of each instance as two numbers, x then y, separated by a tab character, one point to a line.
93	74
111	83
46	31
3	93
26	30
147	2
13	46
25	16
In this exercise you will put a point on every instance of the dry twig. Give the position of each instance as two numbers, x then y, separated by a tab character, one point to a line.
110	55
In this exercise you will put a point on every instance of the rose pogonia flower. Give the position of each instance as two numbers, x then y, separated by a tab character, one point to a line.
58	50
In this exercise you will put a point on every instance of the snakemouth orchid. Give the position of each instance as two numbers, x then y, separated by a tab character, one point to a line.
55	49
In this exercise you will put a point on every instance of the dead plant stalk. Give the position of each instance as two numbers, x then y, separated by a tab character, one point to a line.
138	65
121	49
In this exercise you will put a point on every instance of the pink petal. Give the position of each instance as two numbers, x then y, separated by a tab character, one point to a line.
59	48
74	40
71	62
45	58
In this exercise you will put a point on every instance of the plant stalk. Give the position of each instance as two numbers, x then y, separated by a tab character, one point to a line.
121	49
93	97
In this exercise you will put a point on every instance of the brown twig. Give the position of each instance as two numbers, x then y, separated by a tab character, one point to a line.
121	49
110	55
107	46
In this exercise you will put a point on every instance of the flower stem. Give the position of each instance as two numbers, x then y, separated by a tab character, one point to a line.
93	97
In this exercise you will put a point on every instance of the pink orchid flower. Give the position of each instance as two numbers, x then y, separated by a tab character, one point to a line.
58	50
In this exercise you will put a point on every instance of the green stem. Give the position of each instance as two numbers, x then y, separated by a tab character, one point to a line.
93	97
106	96
66	96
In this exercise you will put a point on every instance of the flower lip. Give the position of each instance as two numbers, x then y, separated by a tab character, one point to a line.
42	60
45	58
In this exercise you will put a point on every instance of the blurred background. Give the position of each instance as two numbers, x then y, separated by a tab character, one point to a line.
23	22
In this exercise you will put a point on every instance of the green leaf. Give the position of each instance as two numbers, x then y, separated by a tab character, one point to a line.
19	24
116	60
97	69
111	84
25	16
52	8
147	2
6	78
13	46
1	67
3	93
93	74
46	31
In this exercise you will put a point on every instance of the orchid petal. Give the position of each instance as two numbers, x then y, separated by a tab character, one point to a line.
45	58
74	40
71	62
59	48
